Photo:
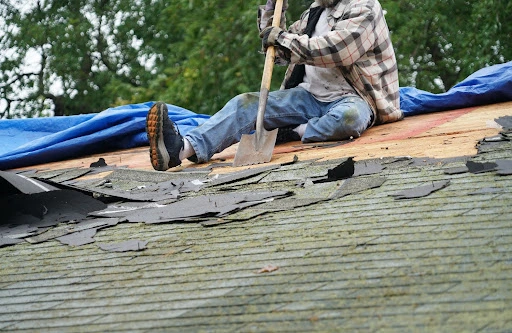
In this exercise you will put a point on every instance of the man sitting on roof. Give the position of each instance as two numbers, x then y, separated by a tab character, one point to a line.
342	78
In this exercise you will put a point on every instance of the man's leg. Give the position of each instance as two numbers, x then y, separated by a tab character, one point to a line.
285	108
338	120
342	119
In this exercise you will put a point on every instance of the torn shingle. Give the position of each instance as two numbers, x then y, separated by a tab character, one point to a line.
137	195
504	167
99	164
6	241
50	234
367	168
496	138
17	231
78	238
456	170
131	245
505	121
343	170
67	229
425	161
51	173
50	208
355	185
151	193
201	206
421	191
397	162
485	147
119	210
12	183
70	175
232	177
96	223
476	167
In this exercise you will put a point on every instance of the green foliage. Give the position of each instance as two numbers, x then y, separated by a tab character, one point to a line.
218	56
441	42
88	55
85	55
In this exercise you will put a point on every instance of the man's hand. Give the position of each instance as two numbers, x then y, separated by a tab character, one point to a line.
271	5
269	36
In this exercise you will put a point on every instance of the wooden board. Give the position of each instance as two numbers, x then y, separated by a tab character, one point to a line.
437	135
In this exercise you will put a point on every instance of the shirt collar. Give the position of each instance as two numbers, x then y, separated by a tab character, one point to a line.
338	10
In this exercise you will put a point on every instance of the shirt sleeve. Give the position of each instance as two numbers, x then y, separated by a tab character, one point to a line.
265	18
352	37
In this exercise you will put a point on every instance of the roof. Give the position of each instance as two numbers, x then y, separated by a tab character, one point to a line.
418	238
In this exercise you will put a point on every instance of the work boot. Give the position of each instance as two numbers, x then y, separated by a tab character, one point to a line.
287	134
165	141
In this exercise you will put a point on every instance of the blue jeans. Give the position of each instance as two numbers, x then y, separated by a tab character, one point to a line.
347	117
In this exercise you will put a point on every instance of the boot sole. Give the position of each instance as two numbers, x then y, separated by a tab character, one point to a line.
158	154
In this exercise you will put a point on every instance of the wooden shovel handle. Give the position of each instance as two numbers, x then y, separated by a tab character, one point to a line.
267	72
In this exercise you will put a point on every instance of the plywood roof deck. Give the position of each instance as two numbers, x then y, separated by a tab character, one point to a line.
435	135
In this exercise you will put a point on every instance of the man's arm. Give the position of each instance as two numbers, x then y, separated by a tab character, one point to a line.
266	14
352	36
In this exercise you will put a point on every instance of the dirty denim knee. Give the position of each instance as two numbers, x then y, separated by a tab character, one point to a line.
350	123
345	118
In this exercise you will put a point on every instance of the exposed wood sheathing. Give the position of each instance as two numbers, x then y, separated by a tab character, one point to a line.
438	135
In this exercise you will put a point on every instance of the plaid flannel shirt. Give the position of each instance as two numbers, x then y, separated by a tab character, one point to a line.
359	45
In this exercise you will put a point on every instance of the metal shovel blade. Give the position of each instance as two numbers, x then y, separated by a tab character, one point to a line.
254	150
258	147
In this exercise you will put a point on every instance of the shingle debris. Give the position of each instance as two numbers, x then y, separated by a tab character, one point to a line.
367	168
476	167
48	208
12	183
78	238
504	167
421	191
353	185
99	164
200	206
505	122
6	241
489	144
72	213
232	177
343	170
130	245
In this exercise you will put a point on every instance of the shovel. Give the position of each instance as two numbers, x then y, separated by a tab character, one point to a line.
258	147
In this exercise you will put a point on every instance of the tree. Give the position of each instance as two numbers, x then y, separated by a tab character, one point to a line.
441	42
93	54
89	54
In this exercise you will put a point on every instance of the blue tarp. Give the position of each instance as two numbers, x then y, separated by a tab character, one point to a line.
41	140
33	141
487	86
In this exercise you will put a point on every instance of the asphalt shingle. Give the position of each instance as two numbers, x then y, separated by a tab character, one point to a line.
361	261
